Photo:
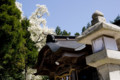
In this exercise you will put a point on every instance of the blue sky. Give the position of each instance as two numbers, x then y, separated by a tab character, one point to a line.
72	15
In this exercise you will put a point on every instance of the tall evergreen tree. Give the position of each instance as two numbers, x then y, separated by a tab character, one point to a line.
116	21
88	25
31	53
58	31
65	33
12	48
77	34
83	29
31	50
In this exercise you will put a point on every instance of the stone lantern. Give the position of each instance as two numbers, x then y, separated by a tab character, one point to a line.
104	42
106	57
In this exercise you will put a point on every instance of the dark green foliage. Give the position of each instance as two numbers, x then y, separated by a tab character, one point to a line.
45	77
86	27
12	42
116	21
15	45
31	51
58	31
8	2
77	34
65	33
83	29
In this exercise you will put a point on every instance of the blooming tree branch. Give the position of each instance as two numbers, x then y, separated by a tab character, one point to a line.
38	28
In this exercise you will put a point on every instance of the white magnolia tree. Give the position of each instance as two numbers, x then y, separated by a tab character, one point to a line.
38	28
39	31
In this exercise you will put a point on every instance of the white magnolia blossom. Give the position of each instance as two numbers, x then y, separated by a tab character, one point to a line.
19	6
38	28
31	76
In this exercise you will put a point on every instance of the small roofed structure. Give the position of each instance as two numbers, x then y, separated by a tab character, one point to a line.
63	58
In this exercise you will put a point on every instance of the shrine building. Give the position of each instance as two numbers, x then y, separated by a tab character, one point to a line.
94	55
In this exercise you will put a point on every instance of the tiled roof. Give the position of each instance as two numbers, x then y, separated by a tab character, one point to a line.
64	42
